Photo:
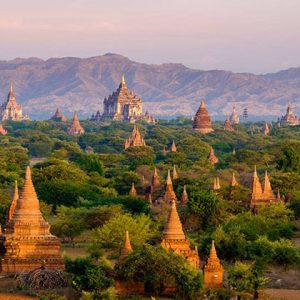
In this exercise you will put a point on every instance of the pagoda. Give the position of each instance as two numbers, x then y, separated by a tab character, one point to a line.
3	131
175	174
202	122
126	249
75	127
13	203
212	157
96	117
184	197
213	270
234	181
124	105
135	139
261	195
174	238
11	110
290	118
132	191
227	125
266	129
26	242
155	182
234	118
58	116
169	193
216	185
173	147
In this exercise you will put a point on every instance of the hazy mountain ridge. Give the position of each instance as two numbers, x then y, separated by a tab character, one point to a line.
167	89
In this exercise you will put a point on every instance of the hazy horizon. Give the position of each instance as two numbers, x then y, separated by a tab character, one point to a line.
258	36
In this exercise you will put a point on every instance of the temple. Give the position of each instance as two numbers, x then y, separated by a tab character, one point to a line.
155	182
266	129
132	191
261	195
135	139
216	185
58	116
126	249
75	127
212	157
173	147
213	270
174	238
202	122
227	125
234	118
123	105
234	181
289	118
11	110
169	195
184	197
175	174
26	242
3	131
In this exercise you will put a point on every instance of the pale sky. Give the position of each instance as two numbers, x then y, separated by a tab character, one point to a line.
257	36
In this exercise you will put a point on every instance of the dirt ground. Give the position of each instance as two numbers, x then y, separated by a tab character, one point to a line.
283	294
7	296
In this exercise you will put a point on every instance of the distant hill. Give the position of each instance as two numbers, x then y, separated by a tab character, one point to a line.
167	89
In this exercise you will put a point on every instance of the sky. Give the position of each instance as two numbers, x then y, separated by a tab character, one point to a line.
258	36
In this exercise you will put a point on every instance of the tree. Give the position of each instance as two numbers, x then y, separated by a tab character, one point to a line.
289	161
90	163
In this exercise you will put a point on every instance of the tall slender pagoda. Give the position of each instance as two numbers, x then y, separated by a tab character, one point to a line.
213	270
202	122
175	240
261	195
75	127
127	248
26	242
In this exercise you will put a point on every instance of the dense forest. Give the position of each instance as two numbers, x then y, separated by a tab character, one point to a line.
83	185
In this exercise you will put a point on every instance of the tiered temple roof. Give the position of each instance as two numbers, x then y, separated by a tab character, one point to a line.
11	110
169	193
234	118
212	157
75	127
26	240
135	139
174	238
202	122
58	116
227	125
213	270
290	118
261	195
123	105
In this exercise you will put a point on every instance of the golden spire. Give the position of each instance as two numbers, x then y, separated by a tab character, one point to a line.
173	147
132	192
126	249
14	201
234	181
202	105
184	196
268	192
155	180
256	186
218	183
215	184
173	229
123	79
175	175
11	87
278	198
213	252
169	180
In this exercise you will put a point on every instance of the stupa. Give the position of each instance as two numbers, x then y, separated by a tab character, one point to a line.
3	131
234	118
124	105
173	147
174	238
126	249
234	181
213	270
75	127
175	174
155	182
26	242
11	110
202	122
266	129
132	191
135	139
184	197
261	195
169	193
58	116
212	157
227	125
216	185
290	118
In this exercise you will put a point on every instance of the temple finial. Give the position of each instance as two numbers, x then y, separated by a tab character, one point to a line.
123	79
11	87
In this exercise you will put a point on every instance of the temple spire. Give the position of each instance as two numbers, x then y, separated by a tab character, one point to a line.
175	175
11	87
234	181
132	192
123	79
127	248
184	196
169	193
268	192
13	204
155	180
173	147
212	157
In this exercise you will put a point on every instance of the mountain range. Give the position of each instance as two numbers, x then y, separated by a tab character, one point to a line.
167	90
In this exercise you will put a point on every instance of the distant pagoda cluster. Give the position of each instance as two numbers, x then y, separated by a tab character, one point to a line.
123	105
289	118
11	110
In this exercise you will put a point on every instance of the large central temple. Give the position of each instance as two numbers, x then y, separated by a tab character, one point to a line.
123	105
